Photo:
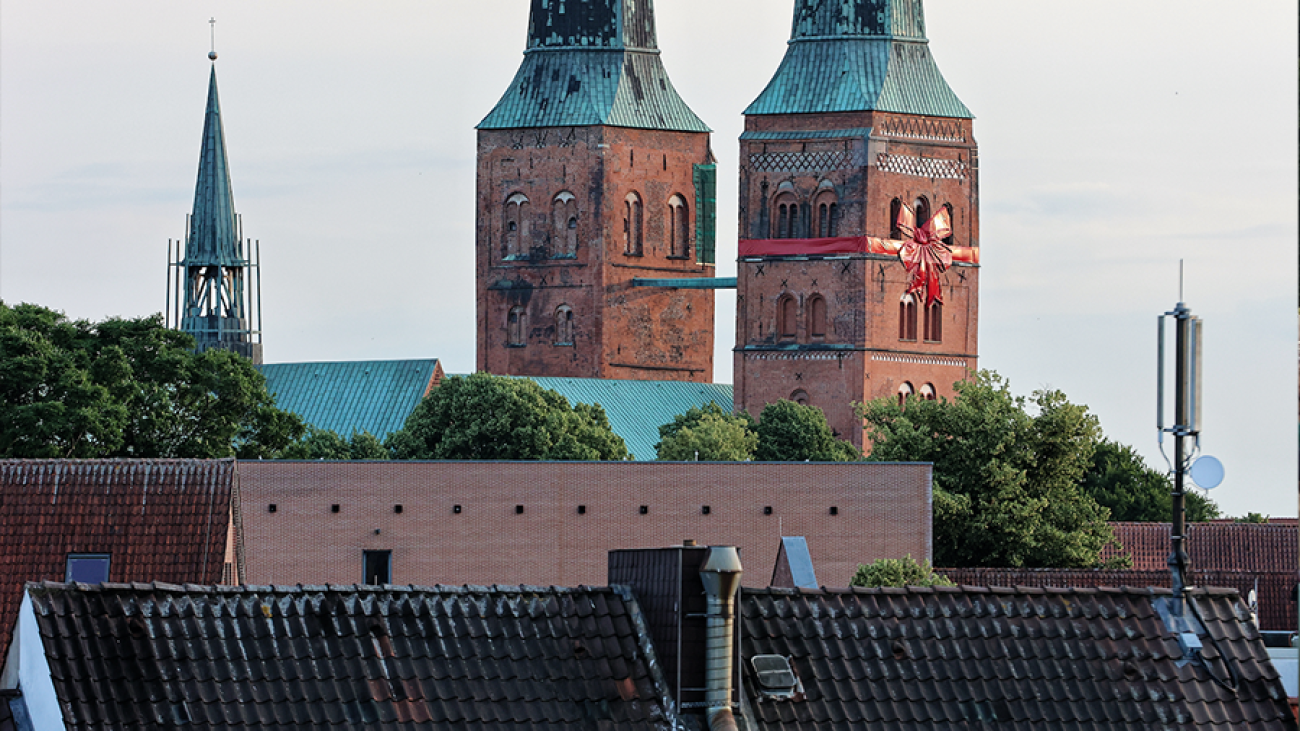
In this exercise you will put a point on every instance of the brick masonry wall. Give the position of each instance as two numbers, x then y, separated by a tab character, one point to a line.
883	511
619	331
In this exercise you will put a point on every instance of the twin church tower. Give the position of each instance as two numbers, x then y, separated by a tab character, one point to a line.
858	274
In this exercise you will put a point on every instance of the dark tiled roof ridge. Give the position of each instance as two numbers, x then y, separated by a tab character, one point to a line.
117	461
450	589
975	589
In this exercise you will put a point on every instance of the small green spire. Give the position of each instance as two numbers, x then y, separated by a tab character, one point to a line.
213	236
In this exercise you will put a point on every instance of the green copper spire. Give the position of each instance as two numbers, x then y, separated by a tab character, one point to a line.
592	62
859	55
213	236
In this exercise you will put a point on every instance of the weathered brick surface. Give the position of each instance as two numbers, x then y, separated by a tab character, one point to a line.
619	331
862	355
883	511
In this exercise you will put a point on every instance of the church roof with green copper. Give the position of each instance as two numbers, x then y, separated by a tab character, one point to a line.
354	396
592	62
859	55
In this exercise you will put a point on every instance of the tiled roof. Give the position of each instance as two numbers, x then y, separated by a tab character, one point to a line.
1266	547
352	396
592	63
161	520
970	657
123	656
636	409
851	57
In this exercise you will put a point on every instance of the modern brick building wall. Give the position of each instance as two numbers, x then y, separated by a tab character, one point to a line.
883	510
542	270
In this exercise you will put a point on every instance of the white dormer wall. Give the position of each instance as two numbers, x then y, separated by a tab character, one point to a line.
27	669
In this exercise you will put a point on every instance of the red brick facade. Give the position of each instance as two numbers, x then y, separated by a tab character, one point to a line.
567	218
882	510
848	334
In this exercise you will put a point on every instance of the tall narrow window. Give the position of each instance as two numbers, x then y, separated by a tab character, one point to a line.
564	226
564	325
826	211
87	568
921	207
904	391
516	326
817	316
928	393
516	227
952	223
377	567
679	232
633	225
934	323
787	216
786	313
907	318
895	210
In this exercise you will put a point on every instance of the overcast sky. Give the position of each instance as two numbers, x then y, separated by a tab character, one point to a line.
1116	137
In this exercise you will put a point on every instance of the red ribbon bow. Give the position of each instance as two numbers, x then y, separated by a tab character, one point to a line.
923	253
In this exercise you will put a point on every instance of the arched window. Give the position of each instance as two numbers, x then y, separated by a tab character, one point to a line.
564	325
786	313
564	225
895	209
516	327
787	216
817	316
827	212
516	227
927	392
904	391
952	223
907	318
800	397
679	232
633	225
934	323
921	207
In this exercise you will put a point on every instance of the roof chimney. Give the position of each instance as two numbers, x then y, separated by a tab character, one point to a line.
720	572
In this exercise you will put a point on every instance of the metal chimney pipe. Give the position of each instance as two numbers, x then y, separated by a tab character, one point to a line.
720	573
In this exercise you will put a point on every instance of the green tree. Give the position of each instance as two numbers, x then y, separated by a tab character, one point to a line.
128	388
708	434
898	572
1006	483
492	417
1119	479
1252	518
791	432
328	445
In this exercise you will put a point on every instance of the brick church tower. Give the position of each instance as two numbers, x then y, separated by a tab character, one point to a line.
859	219
595	199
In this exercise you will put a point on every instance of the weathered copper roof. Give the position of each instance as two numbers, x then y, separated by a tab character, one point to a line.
859	55
350	397
592	62
349	657
972	657
162	520
213	237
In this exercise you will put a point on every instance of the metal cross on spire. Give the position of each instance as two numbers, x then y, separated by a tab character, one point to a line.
213	53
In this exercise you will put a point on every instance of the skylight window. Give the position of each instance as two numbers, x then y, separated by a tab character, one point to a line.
87	568
776	678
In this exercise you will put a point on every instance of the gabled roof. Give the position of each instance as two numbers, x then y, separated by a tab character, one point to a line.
592	63
213	237
372	396
161	520
313	657
1259	547
970	657
855	56
636	409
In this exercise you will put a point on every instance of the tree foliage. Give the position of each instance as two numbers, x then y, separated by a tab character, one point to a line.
708	434
792	432
485	417
1006	482
128	388
898	572
1119	479
328	445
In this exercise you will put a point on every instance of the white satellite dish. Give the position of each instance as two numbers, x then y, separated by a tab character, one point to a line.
1207	472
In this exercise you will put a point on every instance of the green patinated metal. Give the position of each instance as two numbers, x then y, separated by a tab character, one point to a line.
592	62
859	55
636	409
706	214
688	283
214	236
348	397
859	133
